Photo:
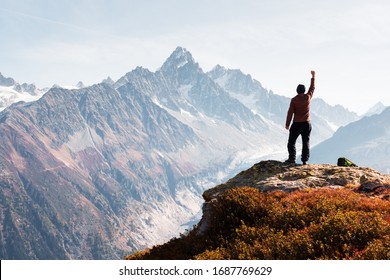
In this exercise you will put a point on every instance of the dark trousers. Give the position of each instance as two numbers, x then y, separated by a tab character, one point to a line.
296	129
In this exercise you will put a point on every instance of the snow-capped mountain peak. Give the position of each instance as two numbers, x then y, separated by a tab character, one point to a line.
182	56
80	85
12	92
179	58
6	81
376	109
234	80
108	81
217	71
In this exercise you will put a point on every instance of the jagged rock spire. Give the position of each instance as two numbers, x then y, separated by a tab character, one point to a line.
178	59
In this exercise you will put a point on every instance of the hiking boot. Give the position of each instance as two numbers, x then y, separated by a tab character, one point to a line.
304	163
290	161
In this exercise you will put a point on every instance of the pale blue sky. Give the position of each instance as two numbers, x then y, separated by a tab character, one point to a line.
277	42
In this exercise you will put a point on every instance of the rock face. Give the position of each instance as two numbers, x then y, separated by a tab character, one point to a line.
275	175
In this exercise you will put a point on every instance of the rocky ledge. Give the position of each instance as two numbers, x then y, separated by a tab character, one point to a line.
274	175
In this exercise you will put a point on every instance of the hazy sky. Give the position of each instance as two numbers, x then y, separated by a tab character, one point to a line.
277	42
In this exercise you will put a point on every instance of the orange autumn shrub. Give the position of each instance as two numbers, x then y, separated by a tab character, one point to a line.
309	224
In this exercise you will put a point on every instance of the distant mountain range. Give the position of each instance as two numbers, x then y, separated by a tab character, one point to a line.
12	92
366	142
378	108
100	171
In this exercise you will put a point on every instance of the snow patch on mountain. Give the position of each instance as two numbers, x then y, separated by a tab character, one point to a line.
332	125
8	96
13	92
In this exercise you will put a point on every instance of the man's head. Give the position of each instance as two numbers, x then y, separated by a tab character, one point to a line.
301	89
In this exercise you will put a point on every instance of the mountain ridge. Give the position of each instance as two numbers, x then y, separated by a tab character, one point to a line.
365	142
12	92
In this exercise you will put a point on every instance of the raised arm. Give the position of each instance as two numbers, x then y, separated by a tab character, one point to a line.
310	92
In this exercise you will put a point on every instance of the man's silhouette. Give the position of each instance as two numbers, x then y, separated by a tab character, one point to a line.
300	108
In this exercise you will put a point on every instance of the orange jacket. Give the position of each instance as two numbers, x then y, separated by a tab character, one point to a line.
300	106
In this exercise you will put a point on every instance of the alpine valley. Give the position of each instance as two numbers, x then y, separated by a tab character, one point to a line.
98	172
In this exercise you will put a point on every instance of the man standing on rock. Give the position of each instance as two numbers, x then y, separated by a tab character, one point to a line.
300	108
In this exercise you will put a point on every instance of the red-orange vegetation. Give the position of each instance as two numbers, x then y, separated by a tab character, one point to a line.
321	223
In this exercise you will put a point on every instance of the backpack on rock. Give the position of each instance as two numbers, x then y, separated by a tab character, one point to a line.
345	162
